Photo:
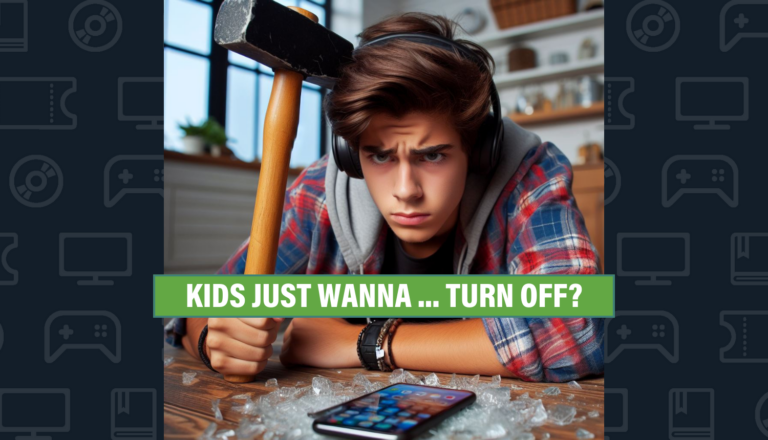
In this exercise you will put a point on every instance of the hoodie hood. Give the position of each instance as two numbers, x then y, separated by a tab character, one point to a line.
356	219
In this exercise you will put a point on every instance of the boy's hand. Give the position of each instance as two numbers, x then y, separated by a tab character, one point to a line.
240	346
321	342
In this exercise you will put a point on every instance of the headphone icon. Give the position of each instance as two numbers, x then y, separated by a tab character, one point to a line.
484	154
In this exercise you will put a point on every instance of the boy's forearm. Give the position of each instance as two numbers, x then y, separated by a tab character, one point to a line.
194	328
460	346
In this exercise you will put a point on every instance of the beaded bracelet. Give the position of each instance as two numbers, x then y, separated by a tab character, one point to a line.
383	366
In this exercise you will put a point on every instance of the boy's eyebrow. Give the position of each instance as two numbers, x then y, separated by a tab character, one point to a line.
426	150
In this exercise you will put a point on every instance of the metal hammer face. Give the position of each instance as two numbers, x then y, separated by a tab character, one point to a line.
280	38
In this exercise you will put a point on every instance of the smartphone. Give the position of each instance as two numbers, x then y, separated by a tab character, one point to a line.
397	412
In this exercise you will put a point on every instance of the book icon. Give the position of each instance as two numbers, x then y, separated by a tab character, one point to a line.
134	414
13	26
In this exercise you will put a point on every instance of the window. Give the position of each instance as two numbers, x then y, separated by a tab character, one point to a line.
205	80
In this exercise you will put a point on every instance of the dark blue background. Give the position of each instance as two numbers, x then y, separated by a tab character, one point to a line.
82	154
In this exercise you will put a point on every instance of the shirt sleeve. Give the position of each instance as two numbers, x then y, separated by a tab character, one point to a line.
546	234
175	330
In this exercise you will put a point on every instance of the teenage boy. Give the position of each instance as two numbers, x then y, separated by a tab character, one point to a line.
413	113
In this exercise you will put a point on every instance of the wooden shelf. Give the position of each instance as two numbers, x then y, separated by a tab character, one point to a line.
594	110
574	22
549	73
220	161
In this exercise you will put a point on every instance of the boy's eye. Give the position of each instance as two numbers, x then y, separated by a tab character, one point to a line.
379	158
434	157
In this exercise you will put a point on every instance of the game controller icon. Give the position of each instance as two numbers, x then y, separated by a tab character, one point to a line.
700	174
95	25
642	329
742	19
8	242
653	25
133	174
82	330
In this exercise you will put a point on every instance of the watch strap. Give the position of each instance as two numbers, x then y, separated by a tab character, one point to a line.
370	351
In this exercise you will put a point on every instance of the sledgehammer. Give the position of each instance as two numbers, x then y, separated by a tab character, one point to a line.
297	48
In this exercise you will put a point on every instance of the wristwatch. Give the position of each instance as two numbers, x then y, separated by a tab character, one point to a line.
370	352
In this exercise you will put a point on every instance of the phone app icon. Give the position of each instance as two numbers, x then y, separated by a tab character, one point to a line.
424	416
397	397
407	392
394	389
365	424
450	397
420	393
382	426
434	396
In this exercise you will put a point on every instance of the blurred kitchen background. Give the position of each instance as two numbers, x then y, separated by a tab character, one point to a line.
549	71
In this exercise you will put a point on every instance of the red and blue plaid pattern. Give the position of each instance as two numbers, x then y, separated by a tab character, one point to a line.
534	228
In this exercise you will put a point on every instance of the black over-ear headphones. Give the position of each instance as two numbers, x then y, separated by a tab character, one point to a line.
484	154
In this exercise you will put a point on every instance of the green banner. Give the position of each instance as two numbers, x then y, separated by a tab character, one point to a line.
384	296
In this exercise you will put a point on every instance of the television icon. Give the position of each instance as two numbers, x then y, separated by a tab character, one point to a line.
653	254
712	99
138	100
749	259
34	410
95	254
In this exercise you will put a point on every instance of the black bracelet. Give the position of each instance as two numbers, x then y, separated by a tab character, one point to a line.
201	350
359	340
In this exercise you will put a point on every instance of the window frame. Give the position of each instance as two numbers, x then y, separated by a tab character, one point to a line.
218	64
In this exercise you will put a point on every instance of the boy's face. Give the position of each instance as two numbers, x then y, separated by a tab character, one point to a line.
414	165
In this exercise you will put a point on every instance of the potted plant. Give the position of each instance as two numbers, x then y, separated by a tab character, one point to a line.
198	137
194	139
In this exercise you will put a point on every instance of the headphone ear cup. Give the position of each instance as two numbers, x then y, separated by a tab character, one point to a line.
485	151
345	157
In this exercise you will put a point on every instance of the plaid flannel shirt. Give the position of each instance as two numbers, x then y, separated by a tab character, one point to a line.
534	228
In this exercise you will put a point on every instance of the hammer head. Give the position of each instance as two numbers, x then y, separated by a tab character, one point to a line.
280	38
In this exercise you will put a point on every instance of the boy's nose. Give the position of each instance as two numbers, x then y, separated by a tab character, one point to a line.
406	187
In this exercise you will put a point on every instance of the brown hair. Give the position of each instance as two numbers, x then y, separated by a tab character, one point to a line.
400	77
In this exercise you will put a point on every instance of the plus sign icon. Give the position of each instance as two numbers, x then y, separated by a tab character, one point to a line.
133	174
740	19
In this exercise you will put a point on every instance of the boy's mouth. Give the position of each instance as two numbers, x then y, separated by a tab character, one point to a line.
409	219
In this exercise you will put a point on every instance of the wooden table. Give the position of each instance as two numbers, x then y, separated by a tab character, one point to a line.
188	408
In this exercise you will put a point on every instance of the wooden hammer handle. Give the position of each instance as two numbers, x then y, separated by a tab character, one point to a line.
280	125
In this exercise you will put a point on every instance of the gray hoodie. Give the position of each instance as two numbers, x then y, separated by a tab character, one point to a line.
356	219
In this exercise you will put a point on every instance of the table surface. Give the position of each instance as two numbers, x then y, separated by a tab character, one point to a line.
187	409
